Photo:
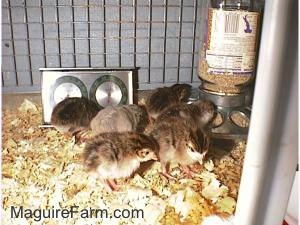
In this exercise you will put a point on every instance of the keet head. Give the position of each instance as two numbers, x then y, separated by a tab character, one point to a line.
207	110
196	147
146	154
194	153
183	91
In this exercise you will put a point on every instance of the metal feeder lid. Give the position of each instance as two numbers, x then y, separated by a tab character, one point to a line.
224	100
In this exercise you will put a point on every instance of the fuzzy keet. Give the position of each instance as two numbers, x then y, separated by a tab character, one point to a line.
117	155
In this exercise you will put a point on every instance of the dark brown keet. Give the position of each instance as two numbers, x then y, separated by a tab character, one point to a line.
178	144
120	119
115	155
73	115
198	114
164	97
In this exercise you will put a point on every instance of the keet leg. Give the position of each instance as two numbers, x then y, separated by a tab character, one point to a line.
188	171
206	143
79	133
78	138
106	185
113	184
165	171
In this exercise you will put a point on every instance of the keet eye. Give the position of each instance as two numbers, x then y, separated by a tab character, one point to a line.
192	150
147	152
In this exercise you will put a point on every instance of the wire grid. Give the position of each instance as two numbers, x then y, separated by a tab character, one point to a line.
158	36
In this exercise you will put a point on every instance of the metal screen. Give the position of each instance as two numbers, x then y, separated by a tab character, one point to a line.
159	36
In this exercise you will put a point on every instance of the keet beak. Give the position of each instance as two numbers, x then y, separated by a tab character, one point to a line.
154	157
200	159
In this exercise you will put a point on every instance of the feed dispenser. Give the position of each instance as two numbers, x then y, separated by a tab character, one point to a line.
227	59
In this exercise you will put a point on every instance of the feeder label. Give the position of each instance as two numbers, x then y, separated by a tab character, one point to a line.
231	41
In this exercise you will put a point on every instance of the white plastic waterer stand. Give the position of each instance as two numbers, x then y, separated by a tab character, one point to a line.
272	147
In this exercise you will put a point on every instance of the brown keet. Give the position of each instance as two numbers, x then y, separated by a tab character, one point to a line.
73	115
198	114
164	97
120	118
115	155
178	144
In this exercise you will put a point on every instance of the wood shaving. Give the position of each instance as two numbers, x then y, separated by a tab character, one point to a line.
226	205
42	168
209	165
229	167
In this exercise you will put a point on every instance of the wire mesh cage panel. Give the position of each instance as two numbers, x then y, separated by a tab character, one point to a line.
158	36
